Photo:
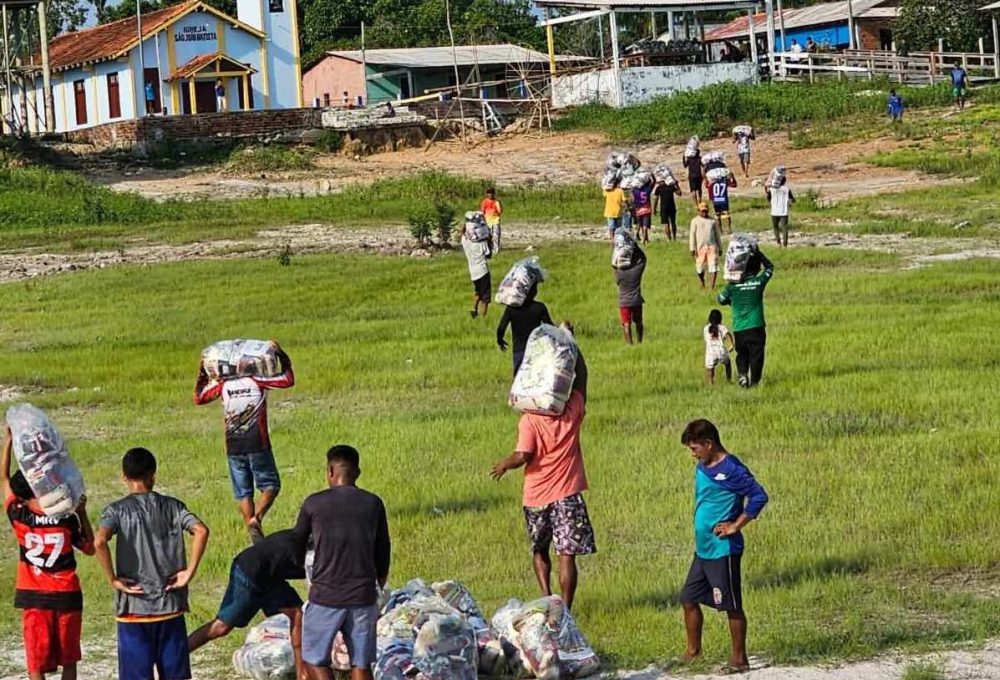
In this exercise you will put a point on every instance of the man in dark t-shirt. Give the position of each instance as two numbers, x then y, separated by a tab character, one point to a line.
258	580
666	205
349	532
522	321
629	280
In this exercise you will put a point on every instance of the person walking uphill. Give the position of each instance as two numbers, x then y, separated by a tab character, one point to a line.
150	573
47	588
727	497
548	448
478	254
629	280
522	320
781	198
349	532
705	243
248	442
749	326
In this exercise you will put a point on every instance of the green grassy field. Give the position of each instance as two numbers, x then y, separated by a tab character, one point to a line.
874	432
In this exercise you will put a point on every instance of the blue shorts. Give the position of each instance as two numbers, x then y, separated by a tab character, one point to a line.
320	626
244	598
721	207
161	645
248	469
614	223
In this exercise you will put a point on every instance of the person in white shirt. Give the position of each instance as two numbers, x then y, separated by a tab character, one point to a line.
718	343
781	199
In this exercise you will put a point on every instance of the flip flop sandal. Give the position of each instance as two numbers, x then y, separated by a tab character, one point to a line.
733	670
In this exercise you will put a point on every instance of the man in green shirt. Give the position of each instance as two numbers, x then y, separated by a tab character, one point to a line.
747	299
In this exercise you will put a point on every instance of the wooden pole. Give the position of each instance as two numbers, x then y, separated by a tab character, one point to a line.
43	35
6	68
550	38
769	8
753	38
781	23
996	46
615	67
670	26
454	61
850	24
191	95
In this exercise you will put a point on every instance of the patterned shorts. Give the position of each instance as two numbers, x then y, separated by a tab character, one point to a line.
566	522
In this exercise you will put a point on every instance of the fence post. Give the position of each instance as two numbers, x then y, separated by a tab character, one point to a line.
809	62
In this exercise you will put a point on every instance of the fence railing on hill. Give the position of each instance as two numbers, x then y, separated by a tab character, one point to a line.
919	68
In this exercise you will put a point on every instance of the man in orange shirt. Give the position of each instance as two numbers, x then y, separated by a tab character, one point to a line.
548	447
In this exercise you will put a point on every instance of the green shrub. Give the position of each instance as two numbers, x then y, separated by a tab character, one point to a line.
437	219
329	141
270	158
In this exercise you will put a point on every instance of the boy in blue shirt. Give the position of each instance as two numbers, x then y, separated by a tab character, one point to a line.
727	498
895	107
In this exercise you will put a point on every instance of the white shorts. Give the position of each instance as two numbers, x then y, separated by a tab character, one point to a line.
712	362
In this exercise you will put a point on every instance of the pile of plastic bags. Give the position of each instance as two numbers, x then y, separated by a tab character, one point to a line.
231	359
476	229
774	180
663	174
267	652
545	379
544	639
744	131
742	248
42	455
619	169
514	288
623	250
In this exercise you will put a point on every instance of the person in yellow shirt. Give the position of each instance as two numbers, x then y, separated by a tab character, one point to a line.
614	202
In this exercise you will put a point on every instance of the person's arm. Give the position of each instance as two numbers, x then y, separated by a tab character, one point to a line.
677	189
194	526
692	242
512	462
724	297
545	315
107	529
8	447
301	532
286	379
582	376
791	196
527	444
717	233
383	549
744	484
656	198
502	329
732	180
84	540
206	389
767	193
499	206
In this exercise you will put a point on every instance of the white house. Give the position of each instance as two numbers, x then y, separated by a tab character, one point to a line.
186	50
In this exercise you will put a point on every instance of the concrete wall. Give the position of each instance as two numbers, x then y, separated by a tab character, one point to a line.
333	76
642	84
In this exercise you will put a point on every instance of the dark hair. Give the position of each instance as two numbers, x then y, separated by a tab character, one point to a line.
341	454
701	430
19	487
138	464
714	319
490	191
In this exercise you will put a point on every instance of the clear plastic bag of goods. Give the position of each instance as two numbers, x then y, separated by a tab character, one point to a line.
713	157
744	131
405	621
267	652
610	178
537	629
741	249
623	250
545	380
395	662
476	229
629	182
514	288
414	588
692	148
459	597
642	178
664	174
622	159
44	460
577	658
231	359
774	180
445	649
718	174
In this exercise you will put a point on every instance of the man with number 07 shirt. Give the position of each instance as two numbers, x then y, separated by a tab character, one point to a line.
47	590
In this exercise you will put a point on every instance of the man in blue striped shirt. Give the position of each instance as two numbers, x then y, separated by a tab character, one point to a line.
727	498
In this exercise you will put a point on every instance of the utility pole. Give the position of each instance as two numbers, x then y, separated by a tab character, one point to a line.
142	57
454	61
43	36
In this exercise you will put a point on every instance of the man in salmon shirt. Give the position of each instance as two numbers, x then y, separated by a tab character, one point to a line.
548	447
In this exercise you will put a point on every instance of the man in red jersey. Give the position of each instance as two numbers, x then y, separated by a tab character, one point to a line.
47	590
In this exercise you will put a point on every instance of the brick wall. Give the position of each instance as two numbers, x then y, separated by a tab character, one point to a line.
202	127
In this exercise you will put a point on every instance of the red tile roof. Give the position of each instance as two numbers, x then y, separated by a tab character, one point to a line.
201	61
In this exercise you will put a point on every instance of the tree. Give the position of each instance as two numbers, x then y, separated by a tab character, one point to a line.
126	9
958	22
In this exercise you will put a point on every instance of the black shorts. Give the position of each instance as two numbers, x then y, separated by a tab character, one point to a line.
483	287
669	217
244	598
715	583
694	183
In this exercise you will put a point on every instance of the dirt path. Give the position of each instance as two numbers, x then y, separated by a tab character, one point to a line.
395	241
966	664
570	158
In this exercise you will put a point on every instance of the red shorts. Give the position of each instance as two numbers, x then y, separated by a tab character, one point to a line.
630	314
51	639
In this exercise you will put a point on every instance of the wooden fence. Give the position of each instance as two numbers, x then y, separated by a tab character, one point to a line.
920	68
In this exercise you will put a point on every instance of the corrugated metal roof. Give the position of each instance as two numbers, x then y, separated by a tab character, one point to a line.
988	8
803	17
694	5
438	57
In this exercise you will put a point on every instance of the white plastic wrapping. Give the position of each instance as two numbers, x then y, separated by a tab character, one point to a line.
622	159
692	148
267	652
610	178
664	174
229	359
718	174
741	249
476	229
713	157
514	288
777	175
445	649
642	177
545	380
623	250
545	639
744	131
44	460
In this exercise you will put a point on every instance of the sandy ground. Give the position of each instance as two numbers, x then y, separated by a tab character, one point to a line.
395	241
836	172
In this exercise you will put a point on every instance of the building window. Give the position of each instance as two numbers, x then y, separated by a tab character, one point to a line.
326	99
114	98
276	6
80	100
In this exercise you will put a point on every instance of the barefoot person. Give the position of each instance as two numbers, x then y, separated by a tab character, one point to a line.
665	204
629	280
248	442
749	326
548	448
727	498
781	199
705	243
258	581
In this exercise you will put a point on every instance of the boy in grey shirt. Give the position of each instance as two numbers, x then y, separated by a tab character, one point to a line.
150	573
